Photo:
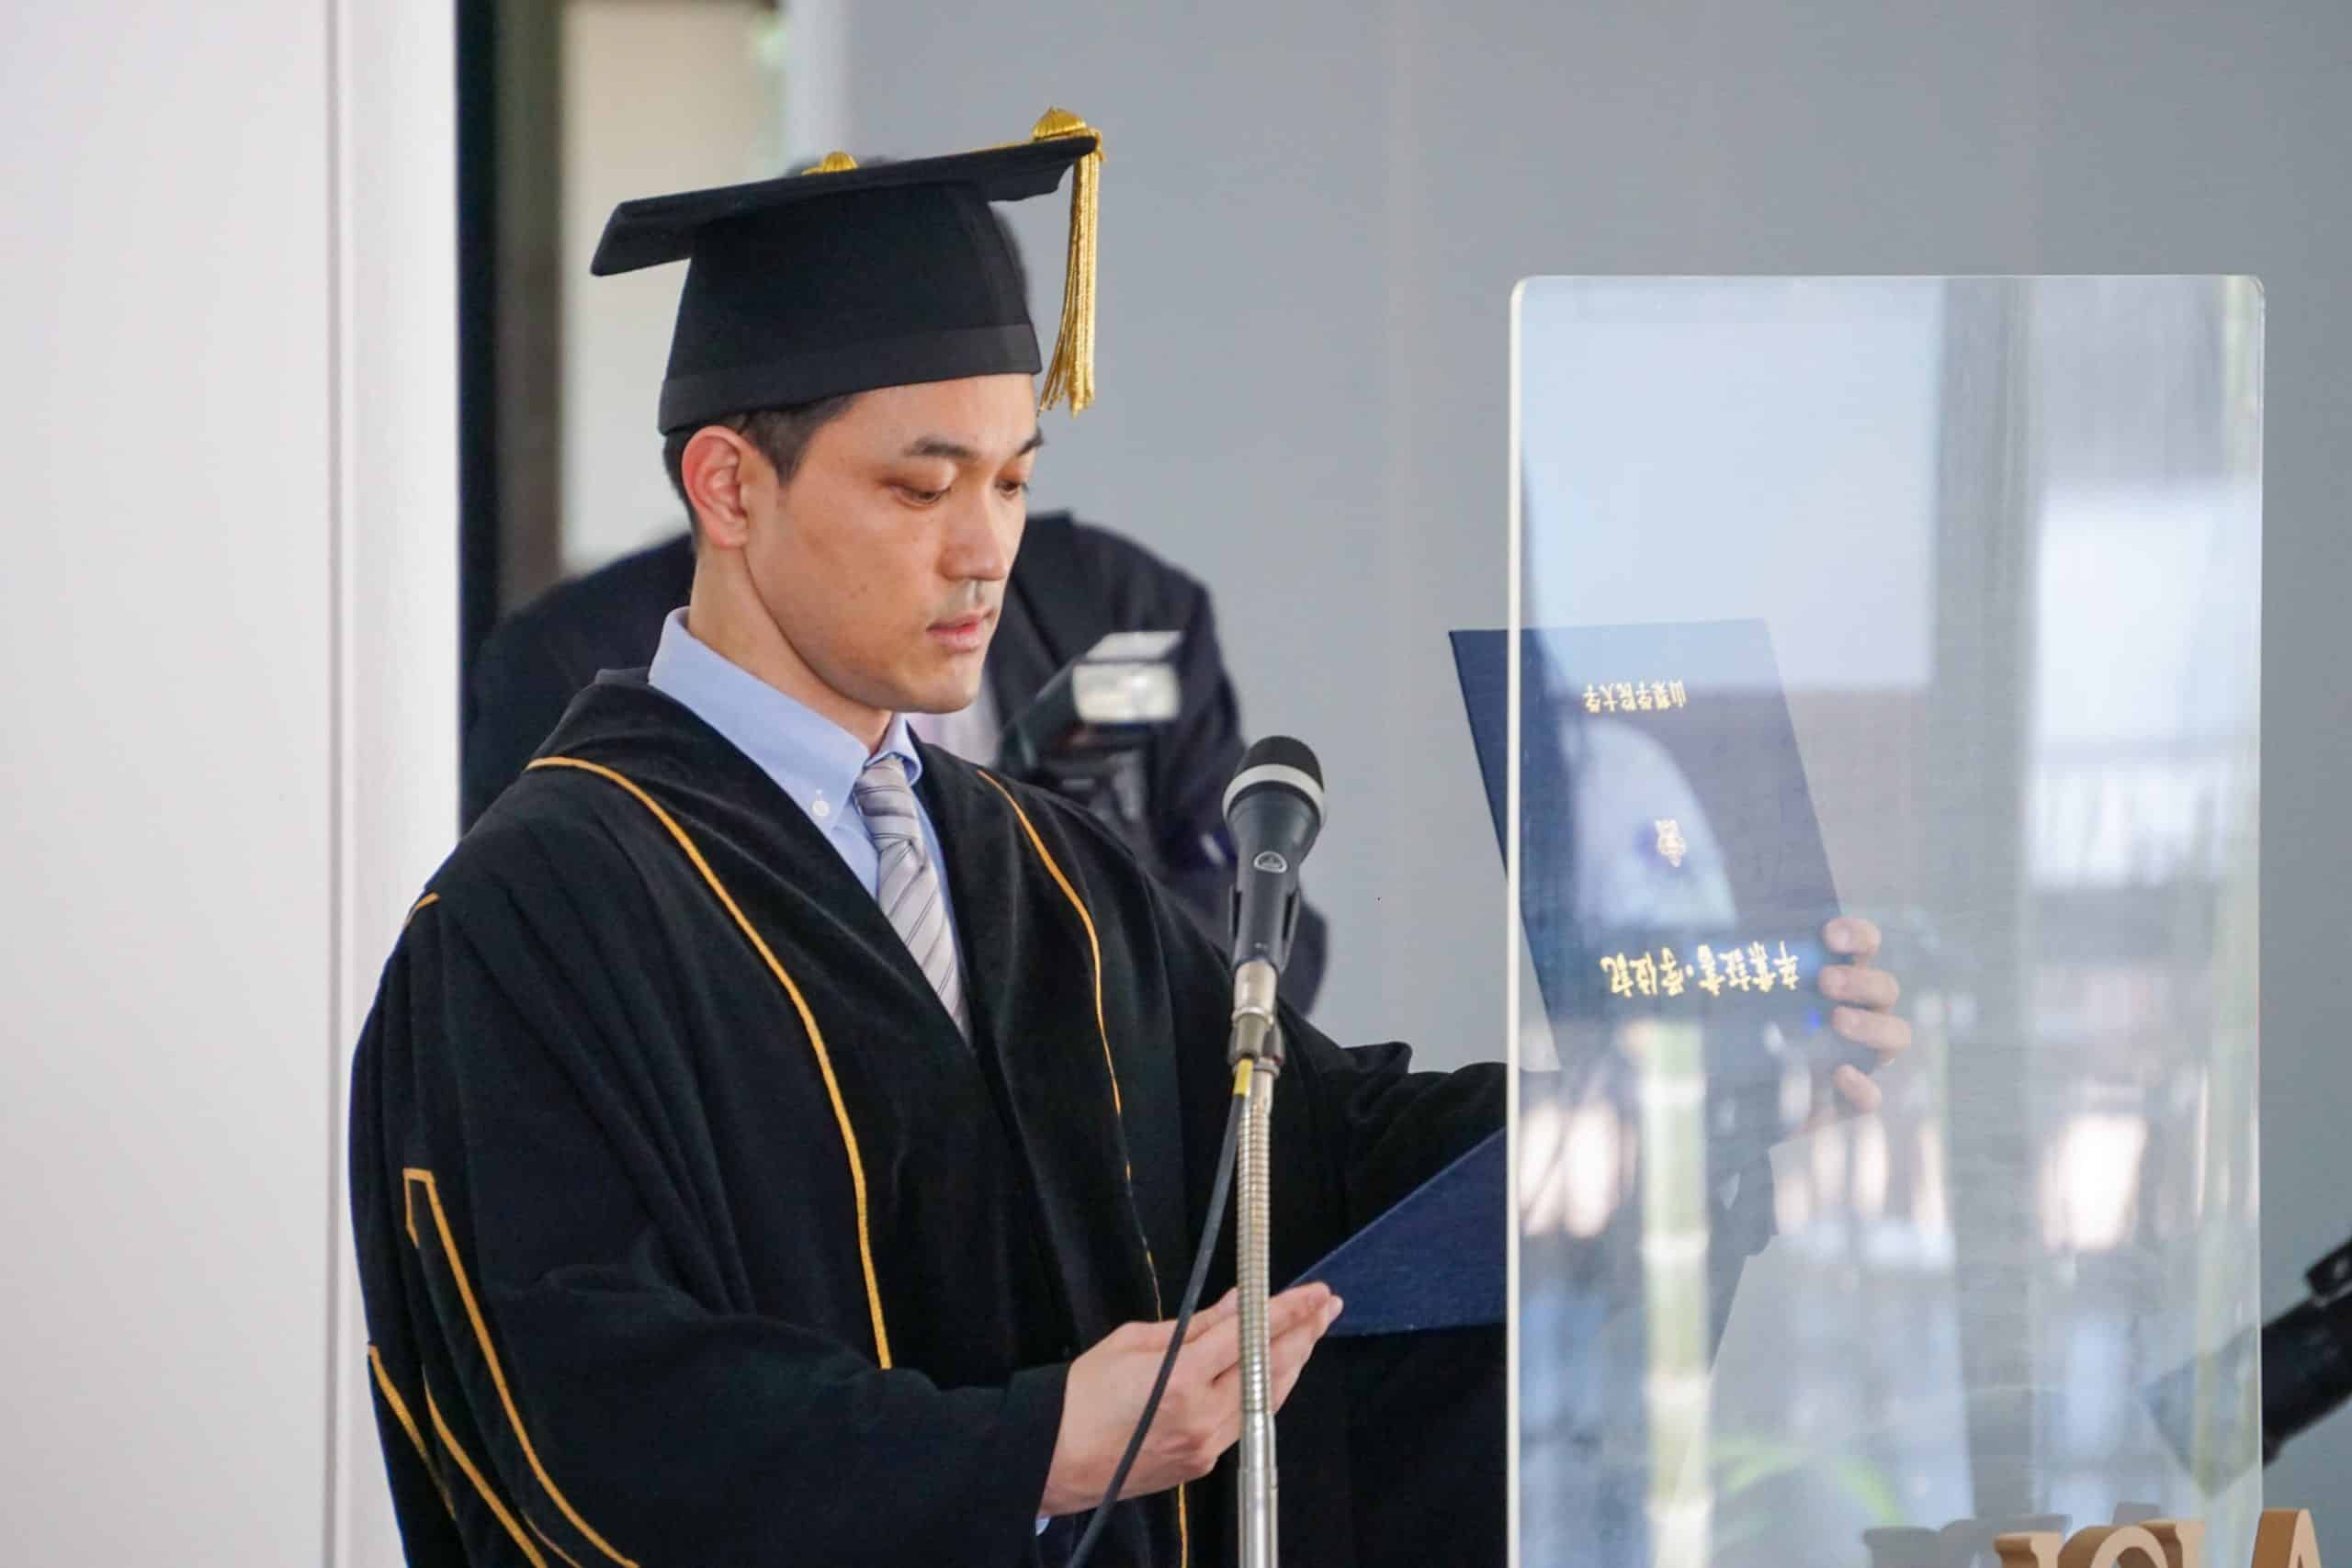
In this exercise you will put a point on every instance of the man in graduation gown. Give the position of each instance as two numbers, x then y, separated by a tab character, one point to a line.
774	1139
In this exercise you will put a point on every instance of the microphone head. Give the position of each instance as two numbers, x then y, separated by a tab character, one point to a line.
1277	763
1274	808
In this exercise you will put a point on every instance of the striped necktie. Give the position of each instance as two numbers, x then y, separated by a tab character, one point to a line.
908	883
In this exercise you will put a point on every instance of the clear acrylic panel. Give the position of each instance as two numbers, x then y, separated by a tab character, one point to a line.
1935	602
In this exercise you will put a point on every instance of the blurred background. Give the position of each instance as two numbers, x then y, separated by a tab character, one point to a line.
308	383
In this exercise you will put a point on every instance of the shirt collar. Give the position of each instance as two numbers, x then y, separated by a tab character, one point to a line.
810	758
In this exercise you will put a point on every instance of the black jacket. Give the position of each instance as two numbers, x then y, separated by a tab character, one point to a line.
1072	583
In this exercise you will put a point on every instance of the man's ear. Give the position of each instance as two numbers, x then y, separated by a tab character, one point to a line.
715	467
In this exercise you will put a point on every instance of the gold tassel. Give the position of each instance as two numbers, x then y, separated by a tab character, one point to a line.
834	163
1069	375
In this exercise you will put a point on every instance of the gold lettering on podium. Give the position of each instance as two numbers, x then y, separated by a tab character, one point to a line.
2284	1540
2039	1549
2113	1546
2183	1540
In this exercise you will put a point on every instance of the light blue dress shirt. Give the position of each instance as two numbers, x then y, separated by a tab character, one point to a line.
811	758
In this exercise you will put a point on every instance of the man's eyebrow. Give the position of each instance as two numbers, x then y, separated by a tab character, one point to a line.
957	452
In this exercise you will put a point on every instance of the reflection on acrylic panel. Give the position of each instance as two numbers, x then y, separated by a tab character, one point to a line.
1934	601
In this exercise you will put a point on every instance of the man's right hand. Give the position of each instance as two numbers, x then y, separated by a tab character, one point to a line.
1199	1416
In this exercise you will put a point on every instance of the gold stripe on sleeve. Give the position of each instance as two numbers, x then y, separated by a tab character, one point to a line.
474	1476
414	1176
408	1424
550	1545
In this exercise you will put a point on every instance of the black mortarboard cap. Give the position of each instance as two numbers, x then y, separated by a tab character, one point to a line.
844	279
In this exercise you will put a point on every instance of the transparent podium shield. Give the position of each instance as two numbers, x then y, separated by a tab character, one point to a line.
1934	604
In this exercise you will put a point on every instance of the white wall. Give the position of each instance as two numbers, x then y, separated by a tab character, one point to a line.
395	595
225	476
1313	215
658	96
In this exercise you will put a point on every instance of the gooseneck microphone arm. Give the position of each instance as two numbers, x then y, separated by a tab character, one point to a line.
1274	810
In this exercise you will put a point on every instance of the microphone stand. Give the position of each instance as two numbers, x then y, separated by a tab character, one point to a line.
1257	1039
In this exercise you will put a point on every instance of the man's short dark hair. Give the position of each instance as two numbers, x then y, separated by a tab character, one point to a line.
781	436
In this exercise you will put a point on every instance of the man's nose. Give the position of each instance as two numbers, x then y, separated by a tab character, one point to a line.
979	544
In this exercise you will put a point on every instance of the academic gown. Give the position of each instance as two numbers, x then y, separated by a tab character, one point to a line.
692	1231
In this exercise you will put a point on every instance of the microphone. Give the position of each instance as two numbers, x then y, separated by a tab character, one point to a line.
1274	808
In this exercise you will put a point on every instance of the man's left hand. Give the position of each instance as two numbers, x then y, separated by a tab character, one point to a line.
1864	995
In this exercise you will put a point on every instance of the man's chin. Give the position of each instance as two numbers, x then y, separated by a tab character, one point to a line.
940	682
940	699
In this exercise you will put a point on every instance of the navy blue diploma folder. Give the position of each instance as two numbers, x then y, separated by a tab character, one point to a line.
1696	889
1433	1261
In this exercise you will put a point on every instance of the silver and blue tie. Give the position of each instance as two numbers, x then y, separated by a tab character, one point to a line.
908	884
